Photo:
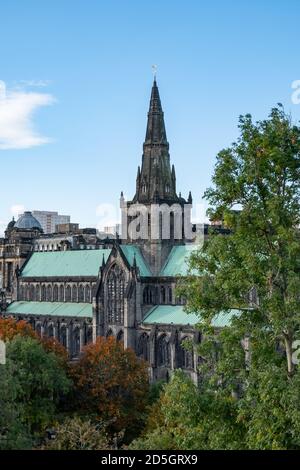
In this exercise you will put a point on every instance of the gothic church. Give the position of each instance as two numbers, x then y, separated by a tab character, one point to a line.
124	288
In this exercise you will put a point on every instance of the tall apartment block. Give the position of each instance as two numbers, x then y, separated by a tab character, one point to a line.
49	220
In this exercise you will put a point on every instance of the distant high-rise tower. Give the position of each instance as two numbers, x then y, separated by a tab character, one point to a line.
49	220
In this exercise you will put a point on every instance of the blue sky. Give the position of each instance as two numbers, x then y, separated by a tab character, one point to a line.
84	69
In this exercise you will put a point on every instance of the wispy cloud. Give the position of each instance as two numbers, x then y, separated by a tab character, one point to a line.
32	83
16	117
17	209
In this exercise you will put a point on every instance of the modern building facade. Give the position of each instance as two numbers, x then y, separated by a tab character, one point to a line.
49	220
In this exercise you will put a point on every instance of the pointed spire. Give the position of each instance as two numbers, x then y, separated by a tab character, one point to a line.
190	199
156	132
122	200
156	180
173	177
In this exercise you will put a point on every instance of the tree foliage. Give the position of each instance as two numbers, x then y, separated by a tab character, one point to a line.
52	345
256	195
10	327
14	433
32	381
112	383
78	434
260	174
187	417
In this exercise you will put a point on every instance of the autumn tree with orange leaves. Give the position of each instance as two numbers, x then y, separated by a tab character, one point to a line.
9	328
112	384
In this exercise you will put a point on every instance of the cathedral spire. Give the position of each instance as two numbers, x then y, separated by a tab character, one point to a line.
156	179
156	132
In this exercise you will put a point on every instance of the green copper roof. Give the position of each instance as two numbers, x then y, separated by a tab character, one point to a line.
65	263
177	261
175	314
129	251
61	309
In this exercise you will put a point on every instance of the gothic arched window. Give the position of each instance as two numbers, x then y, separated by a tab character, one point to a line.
143	347
76	342
63	335
87	294
185	356
148	295
50	331
55	293
43	296
68	294
145	295
163	351
120	336
32	292
21	293
37	293
170	295
115	295
163	295
61	293
38	329
80	294
49	293
74	293
89	334
27	292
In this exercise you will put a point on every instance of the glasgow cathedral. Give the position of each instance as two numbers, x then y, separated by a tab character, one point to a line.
77	287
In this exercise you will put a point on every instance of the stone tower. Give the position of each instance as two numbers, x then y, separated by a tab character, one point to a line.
156	211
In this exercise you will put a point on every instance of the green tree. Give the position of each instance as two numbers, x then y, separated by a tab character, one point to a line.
188	417
31	384
78	434
260	174
13	433
256	195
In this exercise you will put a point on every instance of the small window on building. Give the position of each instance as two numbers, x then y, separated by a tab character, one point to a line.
170	295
